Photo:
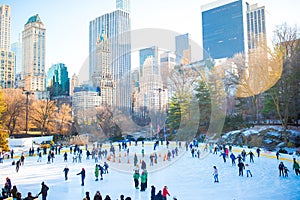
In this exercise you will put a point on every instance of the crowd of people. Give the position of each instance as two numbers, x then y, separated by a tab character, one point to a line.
11	191
140	175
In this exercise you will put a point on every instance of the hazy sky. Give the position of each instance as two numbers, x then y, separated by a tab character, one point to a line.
67	21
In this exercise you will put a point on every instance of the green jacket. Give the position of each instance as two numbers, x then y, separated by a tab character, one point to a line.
144	178
96	171
136	176
296	165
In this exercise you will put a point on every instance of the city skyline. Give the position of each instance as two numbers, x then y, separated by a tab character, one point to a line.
67	27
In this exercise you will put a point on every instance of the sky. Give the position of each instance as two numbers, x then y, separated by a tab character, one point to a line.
67	21
187	178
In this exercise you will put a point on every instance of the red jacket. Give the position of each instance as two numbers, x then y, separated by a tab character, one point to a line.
165	192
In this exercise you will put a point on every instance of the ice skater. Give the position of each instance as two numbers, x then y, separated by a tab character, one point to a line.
136	177
281	168
296	167
165	192
215	174
66	170
241	168
82	173
96	172
44	191
248	171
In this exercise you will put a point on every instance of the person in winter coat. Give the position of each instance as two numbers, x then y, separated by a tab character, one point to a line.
97	196
159	196
277	155
66	170
82	173
8	181
136	177
165	192
96	172
14	192
143	181
65	157
258	152
44	191
87	196
251	154
30	197
105	167
107	197
224	156
281	168
241	168
215	173
286	171
232	156
248	171
152	192
296	167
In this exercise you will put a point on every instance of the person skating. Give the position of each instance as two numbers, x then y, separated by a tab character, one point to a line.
30	197
44	191
143	181
14	192
66	171
281	168
232	156
65	157
159	196
223	156
82	173
241	168
87	196
251	154
258	152
18	163
39	157
152	192
107	197
105	167
165	192
277	155
97	196
286	171
215	174
101	170
248	171
136	177
296	167
96	172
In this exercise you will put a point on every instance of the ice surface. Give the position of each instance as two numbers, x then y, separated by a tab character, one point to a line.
187	178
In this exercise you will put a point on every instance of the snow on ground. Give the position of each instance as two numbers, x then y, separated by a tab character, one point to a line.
187	178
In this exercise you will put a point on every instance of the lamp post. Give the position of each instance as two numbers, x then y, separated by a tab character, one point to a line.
27	93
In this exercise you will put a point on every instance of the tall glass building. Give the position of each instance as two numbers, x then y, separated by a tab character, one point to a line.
183	49
116	25
57	81
123	5
227	26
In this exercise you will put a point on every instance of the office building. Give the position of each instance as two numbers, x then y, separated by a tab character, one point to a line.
123	5
33	54
116	26
230	27
183	49
57	81
7	58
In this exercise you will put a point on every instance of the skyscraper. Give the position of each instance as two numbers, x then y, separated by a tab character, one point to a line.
230	27
7	58
116	25
57	81
123	5
150	52
5	27
74	83
183	49
102	76
33	54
